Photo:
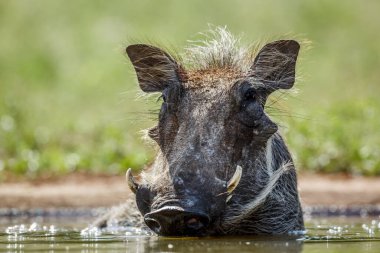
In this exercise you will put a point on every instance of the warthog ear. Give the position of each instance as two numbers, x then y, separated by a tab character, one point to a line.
275	64
155	68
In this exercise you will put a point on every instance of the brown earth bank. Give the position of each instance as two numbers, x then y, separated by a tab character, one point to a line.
87	191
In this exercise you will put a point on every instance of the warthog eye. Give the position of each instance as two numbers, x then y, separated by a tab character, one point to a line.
250	94
251	101
170	97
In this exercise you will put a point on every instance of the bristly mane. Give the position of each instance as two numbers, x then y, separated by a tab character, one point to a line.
219	55
220	49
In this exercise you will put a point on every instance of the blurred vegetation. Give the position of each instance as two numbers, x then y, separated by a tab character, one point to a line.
68	98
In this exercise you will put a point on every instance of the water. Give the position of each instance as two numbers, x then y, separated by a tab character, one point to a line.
67	234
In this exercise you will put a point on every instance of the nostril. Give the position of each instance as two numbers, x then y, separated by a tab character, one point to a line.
194	223
153	224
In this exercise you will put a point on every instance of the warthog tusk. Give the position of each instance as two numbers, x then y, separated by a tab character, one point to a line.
131	181
234	181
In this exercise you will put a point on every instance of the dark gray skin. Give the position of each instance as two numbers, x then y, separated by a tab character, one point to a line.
211	121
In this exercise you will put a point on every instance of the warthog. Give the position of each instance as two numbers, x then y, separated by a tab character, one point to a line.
222	167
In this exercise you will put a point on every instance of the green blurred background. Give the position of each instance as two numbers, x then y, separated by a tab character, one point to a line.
69	98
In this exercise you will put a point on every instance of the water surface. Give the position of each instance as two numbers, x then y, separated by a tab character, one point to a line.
68	233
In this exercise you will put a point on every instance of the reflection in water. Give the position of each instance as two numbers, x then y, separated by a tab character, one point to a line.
225	244
337	235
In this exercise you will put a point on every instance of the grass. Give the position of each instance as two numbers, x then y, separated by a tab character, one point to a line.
68	98
343	139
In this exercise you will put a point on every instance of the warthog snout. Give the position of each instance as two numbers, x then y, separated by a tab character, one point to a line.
173	220
192	208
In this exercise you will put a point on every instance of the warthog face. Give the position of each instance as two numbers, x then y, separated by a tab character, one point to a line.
213	137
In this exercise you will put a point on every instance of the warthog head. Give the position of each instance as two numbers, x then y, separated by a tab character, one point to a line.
222	167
